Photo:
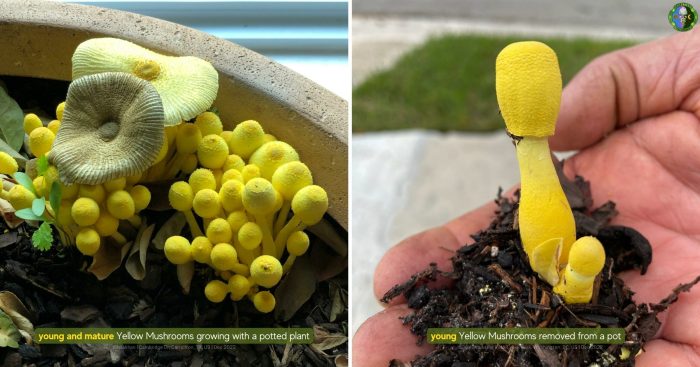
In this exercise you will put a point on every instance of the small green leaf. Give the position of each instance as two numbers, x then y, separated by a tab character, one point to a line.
38	206
42	165
55	198
27	214
9	335
11	121
25	181
42	238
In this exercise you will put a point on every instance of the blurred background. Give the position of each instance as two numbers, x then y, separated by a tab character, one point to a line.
428	143
309	36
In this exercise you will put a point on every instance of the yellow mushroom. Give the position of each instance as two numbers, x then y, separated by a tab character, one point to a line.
59	110
141	196
219	231
114	185
40	141
187	138
297	244
250	236
231	195
94	192
39	186
54	125
178	250
19	197
233	161
189	164
232	174
181	197
309	205
216	291
201	179
288	179
266	271
528	87
187	85
264	301
269	137
223	256
121	205
238	286
260	199
106	225
250	172
133	179
206	203
212	151
272	155
31	122
246	137
586	260
209	123
69	191
8	165
201	249
87	241
85	212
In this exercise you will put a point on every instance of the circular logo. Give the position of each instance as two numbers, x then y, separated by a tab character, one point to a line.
682	17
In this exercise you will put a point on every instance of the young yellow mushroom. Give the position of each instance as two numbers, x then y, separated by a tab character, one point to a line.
206	203
8	165
231	195
31	122
586	260
528	88
209	123
85	212
264	301
216	291
232	174
219	231
250	172
250	236
178	250
288	179
181	197
201	249
121	205
309	205
87	241
201	179
141	196
246	137
223	256
260	199
189	164
272	155
233	161
94	192
59	110
40	141
297	244
19	197
114	185
39	184
54	125
238	286
212	151
266	271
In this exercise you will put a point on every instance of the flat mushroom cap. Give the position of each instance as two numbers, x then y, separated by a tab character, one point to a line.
112	127
187	85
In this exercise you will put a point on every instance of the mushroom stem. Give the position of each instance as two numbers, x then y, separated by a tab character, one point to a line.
194	227
119	238
294	224
244	255
282	216
268	243
287	266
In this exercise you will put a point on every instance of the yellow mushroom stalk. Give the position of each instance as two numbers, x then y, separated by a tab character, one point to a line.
308	205
586	260
260	199
528	88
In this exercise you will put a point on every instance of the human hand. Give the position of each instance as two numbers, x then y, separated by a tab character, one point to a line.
635	116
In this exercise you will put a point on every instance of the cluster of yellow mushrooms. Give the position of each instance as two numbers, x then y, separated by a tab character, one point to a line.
133	117
528	87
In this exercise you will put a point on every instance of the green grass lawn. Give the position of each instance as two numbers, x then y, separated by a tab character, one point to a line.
448	84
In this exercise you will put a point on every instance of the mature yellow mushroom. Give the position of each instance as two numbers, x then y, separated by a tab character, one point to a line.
528	88
19	197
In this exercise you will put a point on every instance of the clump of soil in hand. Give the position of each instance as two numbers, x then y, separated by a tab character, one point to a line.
494	286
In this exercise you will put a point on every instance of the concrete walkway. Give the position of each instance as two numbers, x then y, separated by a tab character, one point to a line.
407	181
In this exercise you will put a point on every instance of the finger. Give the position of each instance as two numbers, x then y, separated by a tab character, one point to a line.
383	337
663	353
437	245
627	85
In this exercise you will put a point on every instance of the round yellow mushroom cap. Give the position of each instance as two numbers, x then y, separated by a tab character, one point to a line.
528	88
250	235
290	178
250	172
141	196
31	122
65	219
236	220
94	192
177	250
212	151
54	125
232	174
246	137
226	134
233	161
259	197
587	256
69	191
39	185
180	196
206	203
272	155
264	301
231	195
116	184
106	224
216	291
59	110
310	204
266	271
121	205
187	85
51	176
219	231
298	243
40	141
223	256
201	179
20	198
87	241
187	138
201	249
8	165
189	164
209	123
85	212
239	286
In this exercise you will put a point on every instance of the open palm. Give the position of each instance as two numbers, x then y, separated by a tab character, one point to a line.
635	115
